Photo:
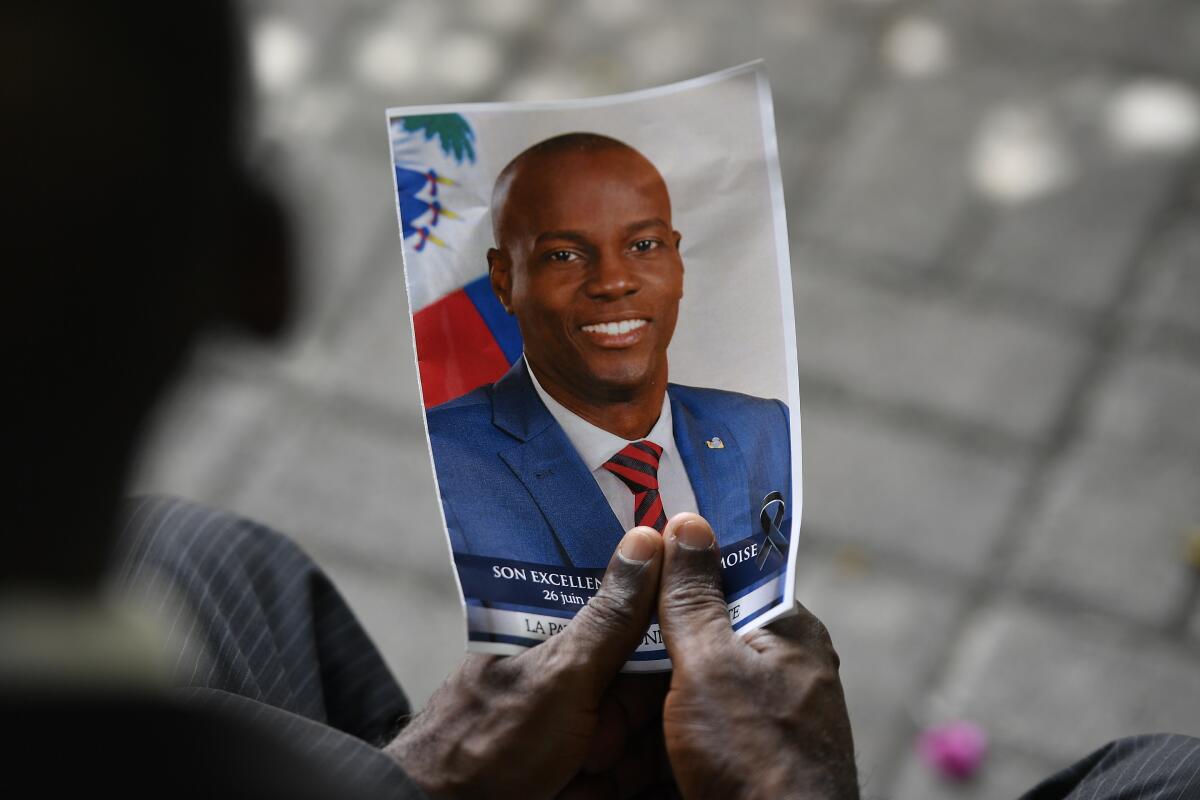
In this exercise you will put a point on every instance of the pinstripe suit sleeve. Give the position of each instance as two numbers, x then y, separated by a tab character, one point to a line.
259	631
1151	767
356	768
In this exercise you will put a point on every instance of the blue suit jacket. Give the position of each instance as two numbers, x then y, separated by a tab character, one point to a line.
513	486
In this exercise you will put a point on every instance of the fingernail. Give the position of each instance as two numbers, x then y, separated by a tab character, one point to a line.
637	547
694	534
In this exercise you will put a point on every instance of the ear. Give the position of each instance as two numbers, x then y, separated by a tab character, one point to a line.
679	238
500	273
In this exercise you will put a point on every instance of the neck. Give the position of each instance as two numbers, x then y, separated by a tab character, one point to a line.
630	414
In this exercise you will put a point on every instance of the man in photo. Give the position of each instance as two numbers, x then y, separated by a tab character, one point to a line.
584	437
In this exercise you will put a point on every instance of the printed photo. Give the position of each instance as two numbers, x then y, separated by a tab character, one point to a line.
603	327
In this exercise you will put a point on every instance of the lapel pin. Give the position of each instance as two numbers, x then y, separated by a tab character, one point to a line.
715	443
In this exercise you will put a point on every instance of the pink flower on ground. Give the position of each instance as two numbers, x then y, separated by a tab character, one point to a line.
955	749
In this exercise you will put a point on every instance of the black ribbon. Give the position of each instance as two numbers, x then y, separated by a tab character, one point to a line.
770	517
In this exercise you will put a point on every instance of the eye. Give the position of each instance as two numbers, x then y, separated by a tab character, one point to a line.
646	245
562	255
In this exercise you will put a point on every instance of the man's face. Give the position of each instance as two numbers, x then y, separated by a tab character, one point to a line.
590	266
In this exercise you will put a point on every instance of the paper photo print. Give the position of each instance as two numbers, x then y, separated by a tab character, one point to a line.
603	326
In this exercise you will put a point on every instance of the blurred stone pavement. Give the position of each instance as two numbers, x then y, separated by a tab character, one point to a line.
994	211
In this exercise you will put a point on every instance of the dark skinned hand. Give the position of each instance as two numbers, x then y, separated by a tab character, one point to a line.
754	716
555	718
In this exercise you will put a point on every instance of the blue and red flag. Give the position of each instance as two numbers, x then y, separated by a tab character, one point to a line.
464	336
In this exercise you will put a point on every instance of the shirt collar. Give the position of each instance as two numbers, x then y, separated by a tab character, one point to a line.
596	445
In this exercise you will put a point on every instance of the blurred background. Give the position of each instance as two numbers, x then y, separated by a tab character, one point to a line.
994	211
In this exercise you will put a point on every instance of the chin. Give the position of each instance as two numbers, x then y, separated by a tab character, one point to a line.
624	378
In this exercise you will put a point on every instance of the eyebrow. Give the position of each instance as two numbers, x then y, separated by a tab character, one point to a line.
583	238
653	222
575	236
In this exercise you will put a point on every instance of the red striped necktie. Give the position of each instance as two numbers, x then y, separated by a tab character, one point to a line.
637	467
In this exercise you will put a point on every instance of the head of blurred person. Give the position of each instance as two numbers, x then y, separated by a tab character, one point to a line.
140	224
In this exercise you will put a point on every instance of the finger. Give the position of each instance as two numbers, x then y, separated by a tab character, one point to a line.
612	624
691	605
803	628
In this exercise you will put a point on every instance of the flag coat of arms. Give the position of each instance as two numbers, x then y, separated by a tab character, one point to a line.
464	337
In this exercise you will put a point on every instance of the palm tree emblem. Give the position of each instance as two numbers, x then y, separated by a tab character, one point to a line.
417	184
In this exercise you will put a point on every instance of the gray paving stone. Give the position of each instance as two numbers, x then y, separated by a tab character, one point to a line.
799	152
876	617
198	434
1173	295
1194	626
582	52
1074	244
1164	33
974	364
1064	684
896	182
1151	398
883	486
311	16
416	622
343	214
813	57
371	355
348	487
1112	530
1005	775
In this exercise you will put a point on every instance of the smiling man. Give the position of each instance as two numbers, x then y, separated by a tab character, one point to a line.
584	438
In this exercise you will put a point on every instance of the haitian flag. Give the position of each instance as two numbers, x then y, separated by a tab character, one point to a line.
464	337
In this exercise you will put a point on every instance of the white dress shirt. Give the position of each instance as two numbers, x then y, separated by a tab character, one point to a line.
596	446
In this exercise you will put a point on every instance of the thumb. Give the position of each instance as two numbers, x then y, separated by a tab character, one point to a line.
606	630
691	605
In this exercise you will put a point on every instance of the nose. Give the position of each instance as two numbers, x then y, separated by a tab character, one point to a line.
611	278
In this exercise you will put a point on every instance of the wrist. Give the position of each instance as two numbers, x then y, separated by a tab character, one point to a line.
417	755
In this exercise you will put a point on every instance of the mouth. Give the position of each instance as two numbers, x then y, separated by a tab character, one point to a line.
622	333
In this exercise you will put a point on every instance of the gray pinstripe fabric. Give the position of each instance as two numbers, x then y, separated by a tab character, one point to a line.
1152	767
263	635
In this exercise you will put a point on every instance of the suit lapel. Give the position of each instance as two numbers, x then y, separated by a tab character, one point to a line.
556	478
718	475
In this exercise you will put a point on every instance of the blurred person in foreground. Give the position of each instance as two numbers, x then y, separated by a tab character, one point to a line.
153	229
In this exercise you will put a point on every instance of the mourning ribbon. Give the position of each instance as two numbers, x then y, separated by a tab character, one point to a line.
770	517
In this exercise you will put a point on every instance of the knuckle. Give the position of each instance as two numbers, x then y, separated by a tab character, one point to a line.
690	596
826	680
835	661
820	634
806	628
693	582
558	667
608	611
700	670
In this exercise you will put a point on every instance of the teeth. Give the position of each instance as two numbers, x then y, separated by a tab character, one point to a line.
615	328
